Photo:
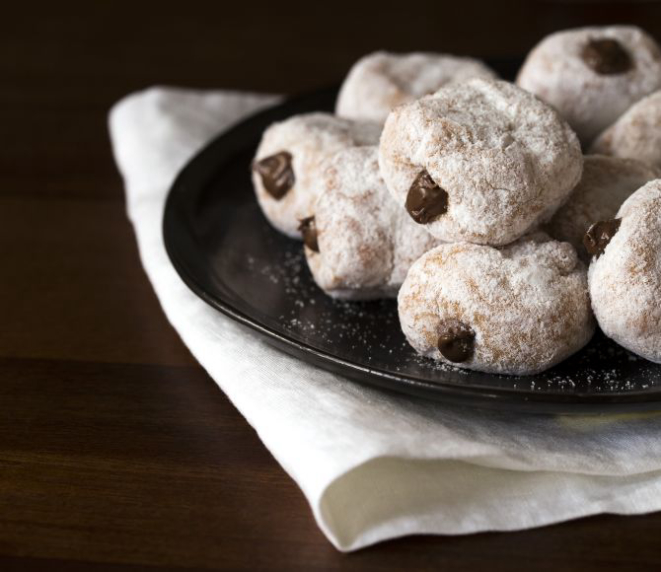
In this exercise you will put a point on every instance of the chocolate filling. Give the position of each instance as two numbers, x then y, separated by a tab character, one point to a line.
308	228
456	342
599	235
277	174
606	57
426	201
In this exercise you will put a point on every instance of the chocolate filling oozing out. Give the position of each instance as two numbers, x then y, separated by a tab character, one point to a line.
426	201
606	57
277	174
599	235
456	342
308	228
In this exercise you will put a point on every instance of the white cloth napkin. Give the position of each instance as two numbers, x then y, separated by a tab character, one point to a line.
372	465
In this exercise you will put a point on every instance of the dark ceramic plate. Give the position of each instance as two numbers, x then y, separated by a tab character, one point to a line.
227	253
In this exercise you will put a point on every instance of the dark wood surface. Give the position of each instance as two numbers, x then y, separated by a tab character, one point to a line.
116	450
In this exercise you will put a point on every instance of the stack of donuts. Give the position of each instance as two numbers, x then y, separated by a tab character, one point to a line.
508	219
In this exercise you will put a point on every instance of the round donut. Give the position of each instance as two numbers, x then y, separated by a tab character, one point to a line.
636	134
359	244
625	273
287	167
482	161
381	81
606	183
514	310
593	75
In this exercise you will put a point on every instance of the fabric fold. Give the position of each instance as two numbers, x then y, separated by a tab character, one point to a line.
373	465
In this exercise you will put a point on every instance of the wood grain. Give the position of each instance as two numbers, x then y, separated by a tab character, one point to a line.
117	452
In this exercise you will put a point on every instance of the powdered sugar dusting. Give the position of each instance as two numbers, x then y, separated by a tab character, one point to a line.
366	241
380	81
636	134
555	71
625	281
606	183
506	160
526	303
309	138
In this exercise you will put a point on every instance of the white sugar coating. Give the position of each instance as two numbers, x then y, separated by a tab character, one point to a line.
556	72
625	281
380	81
606	183
366	242
636	134
527	303
309	138
506	160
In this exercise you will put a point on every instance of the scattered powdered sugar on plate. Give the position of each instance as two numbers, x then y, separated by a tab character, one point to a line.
275	282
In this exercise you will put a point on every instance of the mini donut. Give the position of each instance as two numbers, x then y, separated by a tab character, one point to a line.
359	244
482	161
636	134
286	170
518	309
625	273
593	75
381	81
606	183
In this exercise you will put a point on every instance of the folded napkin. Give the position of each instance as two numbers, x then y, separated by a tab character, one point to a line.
373	465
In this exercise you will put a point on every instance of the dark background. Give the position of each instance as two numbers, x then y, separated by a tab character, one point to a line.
116	449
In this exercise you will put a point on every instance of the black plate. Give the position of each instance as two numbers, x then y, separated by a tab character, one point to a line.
227	253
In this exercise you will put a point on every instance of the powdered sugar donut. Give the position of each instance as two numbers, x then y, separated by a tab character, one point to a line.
286	170
359	244
514	310
593	75
606	183
636	134
481	162
380	81
625	273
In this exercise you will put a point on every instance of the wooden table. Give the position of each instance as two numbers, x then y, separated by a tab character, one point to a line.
116	450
